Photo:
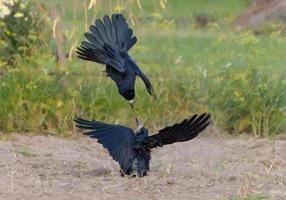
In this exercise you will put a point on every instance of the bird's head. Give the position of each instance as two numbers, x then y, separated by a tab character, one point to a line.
141	130
129	95
126	89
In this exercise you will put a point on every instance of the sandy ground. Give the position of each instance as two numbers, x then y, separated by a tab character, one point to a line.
46	167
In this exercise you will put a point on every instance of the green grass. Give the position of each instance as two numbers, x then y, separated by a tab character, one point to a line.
251	197
174	8
237	76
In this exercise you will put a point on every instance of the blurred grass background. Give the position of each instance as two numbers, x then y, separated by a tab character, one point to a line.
236	75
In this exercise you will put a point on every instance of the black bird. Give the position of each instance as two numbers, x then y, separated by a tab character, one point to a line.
108	43
133	150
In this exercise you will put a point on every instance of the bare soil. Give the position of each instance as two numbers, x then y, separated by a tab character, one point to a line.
206	168
261	12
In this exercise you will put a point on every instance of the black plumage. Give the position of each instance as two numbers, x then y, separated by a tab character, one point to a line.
133	150
108	43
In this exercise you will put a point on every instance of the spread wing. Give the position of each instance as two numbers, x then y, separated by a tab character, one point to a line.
181	132
118	140
107	42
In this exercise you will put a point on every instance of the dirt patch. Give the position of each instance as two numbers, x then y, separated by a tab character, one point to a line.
261	12
42	167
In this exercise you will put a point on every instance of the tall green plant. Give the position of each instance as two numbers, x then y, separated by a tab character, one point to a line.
248	100
20	28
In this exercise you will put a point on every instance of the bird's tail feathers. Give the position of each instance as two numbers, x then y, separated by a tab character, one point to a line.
108	40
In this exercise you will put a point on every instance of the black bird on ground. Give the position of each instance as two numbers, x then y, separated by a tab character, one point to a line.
108	43
133	150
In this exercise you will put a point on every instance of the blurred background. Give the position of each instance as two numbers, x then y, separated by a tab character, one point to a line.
218	56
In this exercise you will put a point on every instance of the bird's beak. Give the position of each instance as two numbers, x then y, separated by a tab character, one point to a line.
139	125
131	103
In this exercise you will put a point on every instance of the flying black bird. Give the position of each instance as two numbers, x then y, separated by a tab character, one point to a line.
133	150
108	43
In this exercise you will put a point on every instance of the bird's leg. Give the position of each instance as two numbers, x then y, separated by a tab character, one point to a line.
122	173
141	173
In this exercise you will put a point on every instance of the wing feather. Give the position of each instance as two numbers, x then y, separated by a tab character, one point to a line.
108	42
184	131
118	140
